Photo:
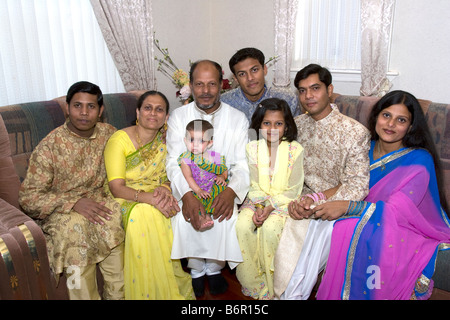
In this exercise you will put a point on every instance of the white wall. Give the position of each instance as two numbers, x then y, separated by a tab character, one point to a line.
212	29
421	48
215	29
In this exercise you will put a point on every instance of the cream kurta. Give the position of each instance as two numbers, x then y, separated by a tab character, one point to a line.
336	151
230	139
64	168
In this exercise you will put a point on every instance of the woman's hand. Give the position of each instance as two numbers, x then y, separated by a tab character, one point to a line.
300	209
261	215
331	210
166	202
172	208
162	195
161	199
169	207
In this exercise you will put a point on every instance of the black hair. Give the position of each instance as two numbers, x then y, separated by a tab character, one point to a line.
418	136
275	104
246	53
201	125
87	87
152	93
195	64
324	74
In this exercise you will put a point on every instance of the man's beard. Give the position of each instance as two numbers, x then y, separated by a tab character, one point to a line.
207	106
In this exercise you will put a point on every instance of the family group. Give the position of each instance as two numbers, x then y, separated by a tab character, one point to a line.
242	178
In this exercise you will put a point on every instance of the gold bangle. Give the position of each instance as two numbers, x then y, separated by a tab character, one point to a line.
166	186
136	195
259	205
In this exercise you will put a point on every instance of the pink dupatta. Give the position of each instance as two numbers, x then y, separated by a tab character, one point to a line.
389	251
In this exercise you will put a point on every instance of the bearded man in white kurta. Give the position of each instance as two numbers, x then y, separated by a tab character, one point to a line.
207	251
336	163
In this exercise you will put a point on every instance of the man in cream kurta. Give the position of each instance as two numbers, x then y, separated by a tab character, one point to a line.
336	154
208	250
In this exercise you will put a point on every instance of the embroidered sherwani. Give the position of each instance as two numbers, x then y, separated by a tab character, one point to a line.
336	151
64	168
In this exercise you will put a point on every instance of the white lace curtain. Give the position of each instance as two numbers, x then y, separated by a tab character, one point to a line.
44	50
285	14
127	27
376	24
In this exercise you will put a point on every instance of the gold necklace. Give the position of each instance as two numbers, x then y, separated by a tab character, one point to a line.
383	164
145	154
388	158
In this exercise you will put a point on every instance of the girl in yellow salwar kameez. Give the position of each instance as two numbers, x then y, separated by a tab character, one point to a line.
135	165
276	175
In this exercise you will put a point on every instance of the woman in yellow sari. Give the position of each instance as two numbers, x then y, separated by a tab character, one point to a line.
135	166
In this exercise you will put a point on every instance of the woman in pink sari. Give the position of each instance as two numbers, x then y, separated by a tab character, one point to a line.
386	246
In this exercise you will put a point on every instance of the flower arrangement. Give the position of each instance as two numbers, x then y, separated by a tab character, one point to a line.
179	77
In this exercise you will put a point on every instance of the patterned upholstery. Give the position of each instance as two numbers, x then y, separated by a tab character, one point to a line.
9	181
24	267
28	123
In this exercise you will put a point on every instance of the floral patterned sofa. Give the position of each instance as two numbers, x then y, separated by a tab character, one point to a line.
24	267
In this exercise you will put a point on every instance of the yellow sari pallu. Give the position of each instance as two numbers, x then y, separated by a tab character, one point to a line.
149	271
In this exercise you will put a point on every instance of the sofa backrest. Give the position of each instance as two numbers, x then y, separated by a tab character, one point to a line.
28	123
9	181
120	108
438	119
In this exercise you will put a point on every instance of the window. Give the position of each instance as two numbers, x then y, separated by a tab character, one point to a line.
47	45
328	33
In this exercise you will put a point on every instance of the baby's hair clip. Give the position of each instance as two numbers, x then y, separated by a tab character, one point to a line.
260	105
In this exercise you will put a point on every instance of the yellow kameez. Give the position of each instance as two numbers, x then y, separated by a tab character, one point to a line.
275	187
149	272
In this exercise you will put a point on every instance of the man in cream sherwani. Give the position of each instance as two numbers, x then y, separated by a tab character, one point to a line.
336	163
207	251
